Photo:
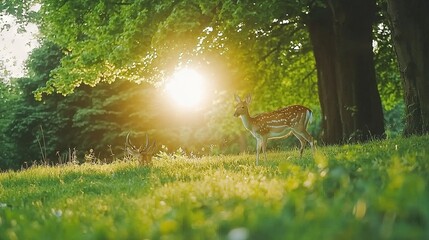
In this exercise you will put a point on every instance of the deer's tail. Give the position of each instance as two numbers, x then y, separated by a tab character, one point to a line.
308	117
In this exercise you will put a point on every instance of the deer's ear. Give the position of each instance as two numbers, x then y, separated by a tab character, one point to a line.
248	99
237	98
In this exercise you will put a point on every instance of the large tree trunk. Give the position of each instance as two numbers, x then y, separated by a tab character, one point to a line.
409	21
342	41
359	99
320	26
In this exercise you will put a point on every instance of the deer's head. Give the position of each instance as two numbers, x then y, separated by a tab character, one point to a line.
242	107
144	153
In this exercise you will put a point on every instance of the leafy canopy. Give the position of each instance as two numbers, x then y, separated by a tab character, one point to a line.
144	41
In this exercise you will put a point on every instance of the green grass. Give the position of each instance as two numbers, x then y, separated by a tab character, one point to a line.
377	190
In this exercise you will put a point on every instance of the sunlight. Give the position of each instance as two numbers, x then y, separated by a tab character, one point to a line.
186	88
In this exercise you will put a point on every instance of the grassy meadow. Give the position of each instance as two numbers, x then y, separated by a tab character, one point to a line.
378	190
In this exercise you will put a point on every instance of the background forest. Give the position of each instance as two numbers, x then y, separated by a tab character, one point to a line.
101	65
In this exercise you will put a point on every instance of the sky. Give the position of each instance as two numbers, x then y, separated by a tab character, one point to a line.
15	47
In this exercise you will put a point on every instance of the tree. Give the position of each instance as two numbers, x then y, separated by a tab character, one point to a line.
409	22
320	25
8	102
341	33
46	130
35	127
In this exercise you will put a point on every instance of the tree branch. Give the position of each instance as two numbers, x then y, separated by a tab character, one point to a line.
308	75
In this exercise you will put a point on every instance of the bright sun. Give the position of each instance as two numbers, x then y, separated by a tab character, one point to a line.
186	88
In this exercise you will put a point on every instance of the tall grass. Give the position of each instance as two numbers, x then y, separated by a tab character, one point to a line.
377	190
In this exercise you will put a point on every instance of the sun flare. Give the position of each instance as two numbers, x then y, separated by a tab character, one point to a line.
186	88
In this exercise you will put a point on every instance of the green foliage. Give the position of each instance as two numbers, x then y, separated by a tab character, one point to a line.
8	99
377	190
388	76
46	130
394	120
104	41
145	41
30	121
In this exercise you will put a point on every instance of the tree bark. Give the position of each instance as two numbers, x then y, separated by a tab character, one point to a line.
320	26
410	33
360	104
341	35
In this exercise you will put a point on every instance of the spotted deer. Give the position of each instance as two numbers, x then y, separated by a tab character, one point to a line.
142	154
275	125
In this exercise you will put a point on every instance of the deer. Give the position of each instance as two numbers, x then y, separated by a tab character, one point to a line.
278	124
142	154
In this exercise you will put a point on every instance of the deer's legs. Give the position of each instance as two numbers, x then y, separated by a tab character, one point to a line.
264	147
261	144
309	139
302	141
258	149
304	136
